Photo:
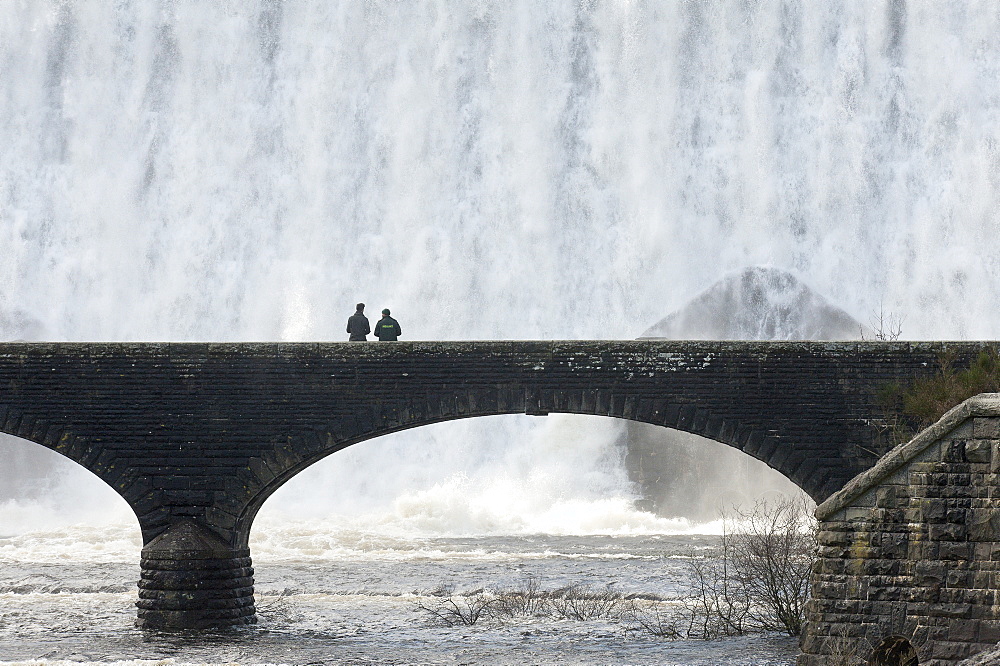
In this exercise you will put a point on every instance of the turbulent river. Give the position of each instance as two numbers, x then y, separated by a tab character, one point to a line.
190	170
341	576
345	596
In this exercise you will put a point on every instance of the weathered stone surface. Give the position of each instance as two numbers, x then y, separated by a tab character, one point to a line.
213	429
921	566
979	450
191	579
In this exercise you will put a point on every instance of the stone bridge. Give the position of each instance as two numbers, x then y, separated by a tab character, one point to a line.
196	437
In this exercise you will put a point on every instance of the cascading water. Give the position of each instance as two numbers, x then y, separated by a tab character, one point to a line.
182	170
204	171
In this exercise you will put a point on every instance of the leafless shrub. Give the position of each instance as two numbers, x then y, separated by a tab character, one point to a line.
717	604
460	609
575	602
758	582
656	617
884	325
771	553
526	600
579	602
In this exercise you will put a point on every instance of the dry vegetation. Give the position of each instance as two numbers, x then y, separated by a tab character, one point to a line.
757	582
526	600
909	409
760	581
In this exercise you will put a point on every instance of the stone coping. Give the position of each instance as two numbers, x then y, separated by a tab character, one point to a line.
984	404
849	345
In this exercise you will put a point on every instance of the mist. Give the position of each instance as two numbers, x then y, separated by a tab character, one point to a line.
571	170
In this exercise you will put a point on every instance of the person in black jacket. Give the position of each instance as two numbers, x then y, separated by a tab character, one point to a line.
387	329
358	325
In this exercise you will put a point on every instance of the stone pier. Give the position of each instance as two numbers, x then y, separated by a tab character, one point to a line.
192	580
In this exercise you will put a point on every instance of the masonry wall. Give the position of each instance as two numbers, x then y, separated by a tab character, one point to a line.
206	432
911	550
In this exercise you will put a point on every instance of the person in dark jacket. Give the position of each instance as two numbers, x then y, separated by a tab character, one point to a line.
358	325
387	329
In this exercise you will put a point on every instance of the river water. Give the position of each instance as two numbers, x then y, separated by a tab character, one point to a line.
330	596
342	572
190	170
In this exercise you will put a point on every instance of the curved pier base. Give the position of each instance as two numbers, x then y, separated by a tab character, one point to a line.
192	580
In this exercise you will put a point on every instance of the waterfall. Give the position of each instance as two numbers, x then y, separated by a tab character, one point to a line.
182	170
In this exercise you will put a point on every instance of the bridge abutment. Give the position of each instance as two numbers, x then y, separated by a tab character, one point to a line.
909	551
192	579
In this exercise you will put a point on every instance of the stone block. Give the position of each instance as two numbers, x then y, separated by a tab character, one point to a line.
984	526
962	596
955	551
958	578
929	573
962	491
986	428
979	451
899	478
895	548
866	499
950	650
831	590
950	610
963	431
947	533
830	566
832	552
883	567
964	630
885	497
959	478
886	594
953	451
956	516
833	538
989	631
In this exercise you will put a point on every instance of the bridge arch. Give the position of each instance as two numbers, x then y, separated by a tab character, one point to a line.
754	439
94	457
50	489
447	476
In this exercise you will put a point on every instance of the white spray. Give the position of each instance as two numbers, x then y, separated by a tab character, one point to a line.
181	170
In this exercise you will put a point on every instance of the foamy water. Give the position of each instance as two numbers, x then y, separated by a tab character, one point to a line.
382	536
127	662
353	598
179	170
